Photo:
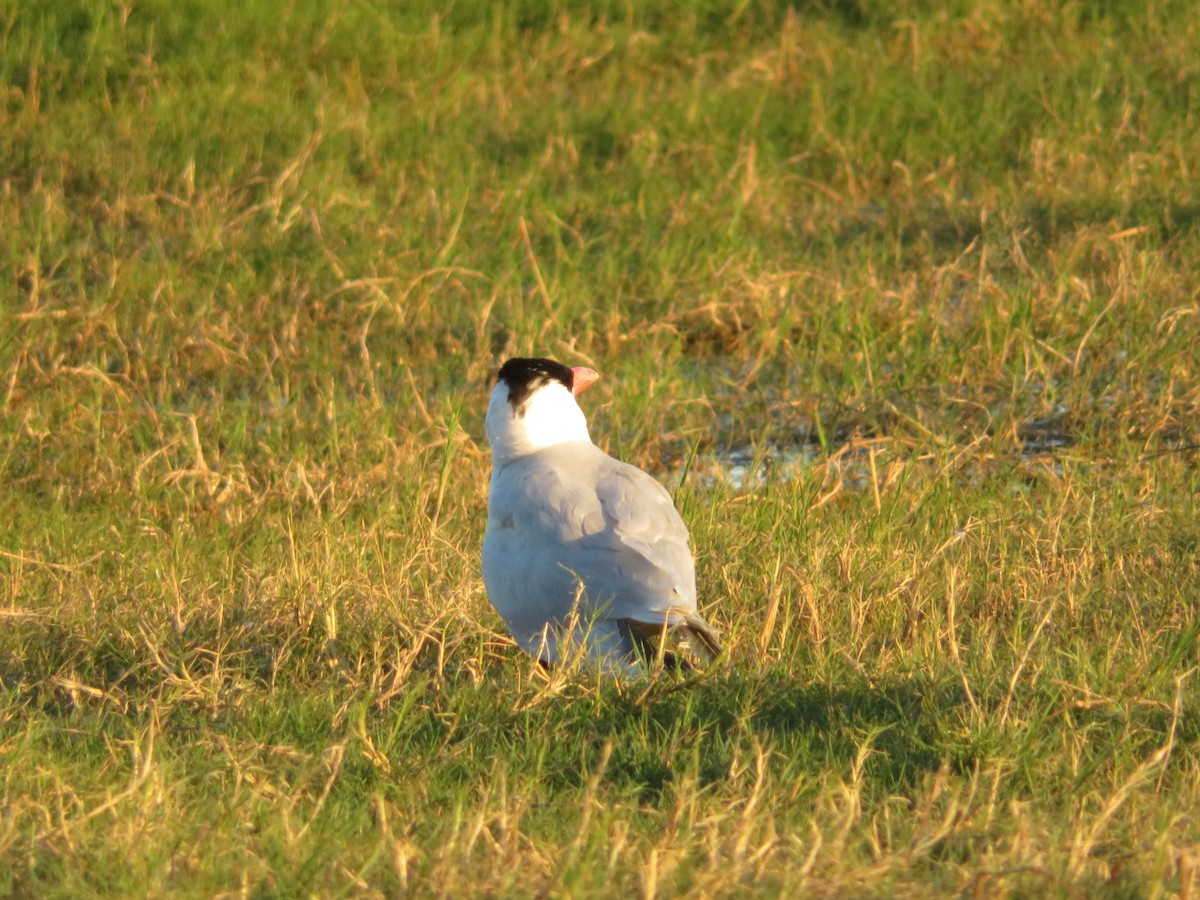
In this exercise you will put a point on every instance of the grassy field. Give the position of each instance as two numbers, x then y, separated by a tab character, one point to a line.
931	270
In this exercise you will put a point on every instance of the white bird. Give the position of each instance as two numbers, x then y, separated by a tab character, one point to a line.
581	550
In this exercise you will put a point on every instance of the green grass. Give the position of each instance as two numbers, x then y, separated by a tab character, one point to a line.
261	263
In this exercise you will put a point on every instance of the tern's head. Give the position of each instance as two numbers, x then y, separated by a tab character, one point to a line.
533	406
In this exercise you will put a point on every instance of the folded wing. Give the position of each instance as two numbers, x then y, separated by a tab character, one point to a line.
572	529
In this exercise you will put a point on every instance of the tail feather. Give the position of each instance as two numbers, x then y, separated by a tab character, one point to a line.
701	637
649	638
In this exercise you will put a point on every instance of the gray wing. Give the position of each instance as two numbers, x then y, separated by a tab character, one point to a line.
571	515
651	567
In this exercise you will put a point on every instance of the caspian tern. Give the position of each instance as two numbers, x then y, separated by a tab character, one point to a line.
581	550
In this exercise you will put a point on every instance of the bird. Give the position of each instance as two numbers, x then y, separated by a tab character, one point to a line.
584	556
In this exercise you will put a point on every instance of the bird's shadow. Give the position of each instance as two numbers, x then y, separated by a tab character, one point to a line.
894	733
646	736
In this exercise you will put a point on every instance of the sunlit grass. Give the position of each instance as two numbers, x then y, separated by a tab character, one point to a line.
927	271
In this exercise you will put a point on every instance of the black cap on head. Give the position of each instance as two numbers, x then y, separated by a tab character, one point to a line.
524	376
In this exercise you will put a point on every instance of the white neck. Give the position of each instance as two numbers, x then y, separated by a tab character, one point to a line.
551	416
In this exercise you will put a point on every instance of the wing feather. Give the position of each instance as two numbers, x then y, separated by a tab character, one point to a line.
570	516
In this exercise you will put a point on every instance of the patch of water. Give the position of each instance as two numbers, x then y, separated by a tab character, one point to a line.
747	467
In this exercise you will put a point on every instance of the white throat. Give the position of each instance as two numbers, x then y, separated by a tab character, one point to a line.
550	416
